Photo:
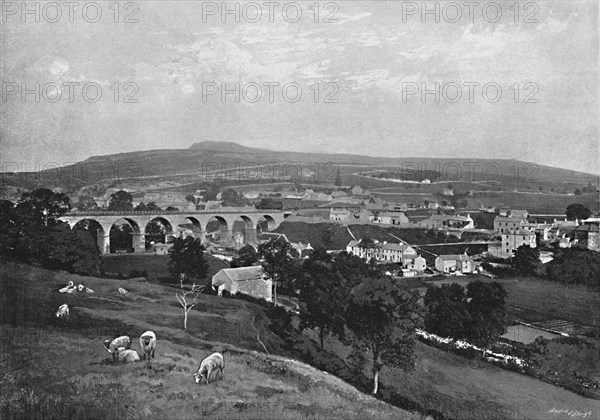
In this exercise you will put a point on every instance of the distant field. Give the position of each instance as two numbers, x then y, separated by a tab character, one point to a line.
535	203
155	265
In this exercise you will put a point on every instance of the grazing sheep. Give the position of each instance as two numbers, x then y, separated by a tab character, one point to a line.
63	311
122	291
68	288
213	363
80	288
127	355
113	346
148	344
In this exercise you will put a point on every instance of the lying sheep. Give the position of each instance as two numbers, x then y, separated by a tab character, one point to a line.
148	344
127	355
113	346
63	311
213	363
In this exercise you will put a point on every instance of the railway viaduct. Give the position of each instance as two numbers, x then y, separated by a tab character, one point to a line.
178	222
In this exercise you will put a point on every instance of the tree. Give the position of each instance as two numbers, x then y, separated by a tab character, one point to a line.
338	179
60	248
121	236
86	203
247	256
171	208
577	191
140	207
577	211
151	206
42	207
446	310
186	257
232	198
190	198
277	261
384	320
487	312
183	297
9	227
323	291
575	265
526	261
120	201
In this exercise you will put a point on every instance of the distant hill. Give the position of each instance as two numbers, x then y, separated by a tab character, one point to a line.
167	168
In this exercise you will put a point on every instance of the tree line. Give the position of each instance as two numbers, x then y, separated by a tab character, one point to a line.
31	232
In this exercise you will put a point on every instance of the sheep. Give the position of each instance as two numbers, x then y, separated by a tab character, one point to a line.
127	355
80	288
114	345
212	363
122	291
148	344
63	311
68	288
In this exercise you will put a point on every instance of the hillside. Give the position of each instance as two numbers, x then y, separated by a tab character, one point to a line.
61	370
203	161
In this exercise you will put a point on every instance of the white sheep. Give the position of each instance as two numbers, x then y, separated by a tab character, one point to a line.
63	311
122	291
212	363
68	288
127	355
148	344
114	345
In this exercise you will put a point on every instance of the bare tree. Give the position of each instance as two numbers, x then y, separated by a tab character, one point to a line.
192	294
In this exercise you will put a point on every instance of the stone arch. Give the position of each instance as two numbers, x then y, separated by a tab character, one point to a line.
95	229
218	230
151	236
137	241
266	223
243	231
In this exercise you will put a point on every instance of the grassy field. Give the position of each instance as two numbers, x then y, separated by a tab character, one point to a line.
155	265
546	300
62	368
53	369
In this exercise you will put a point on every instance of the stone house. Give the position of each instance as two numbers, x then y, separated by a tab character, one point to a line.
462	263
250	281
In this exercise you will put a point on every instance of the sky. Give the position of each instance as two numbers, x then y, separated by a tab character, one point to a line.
379	78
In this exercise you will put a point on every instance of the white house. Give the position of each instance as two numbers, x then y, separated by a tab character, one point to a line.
462	263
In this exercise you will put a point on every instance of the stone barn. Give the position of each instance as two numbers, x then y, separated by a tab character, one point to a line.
251	281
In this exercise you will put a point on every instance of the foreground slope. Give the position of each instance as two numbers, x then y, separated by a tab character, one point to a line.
55	369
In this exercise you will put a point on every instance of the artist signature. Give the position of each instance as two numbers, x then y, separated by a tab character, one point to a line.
570	413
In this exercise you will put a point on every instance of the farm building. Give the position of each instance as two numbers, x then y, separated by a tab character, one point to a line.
250	281
160	248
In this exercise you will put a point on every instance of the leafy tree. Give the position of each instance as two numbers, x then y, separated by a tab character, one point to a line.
277	261
60	248
171	208
384	320
577	211
86	203
140	207
323	291
186	257
575	265
233	198
42	206
9	227
151	206
190	198
155	232
120	201
247	256
526	261
446	310
487	312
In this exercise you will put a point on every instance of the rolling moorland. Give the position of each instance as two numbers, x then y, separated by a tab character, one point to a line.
62	369
233	164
